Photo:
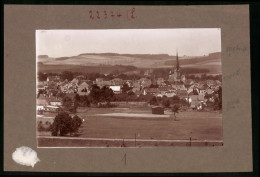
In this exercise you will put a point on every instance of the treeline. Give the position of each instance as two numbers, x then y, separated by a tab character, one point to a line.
89	76
204	77
154	74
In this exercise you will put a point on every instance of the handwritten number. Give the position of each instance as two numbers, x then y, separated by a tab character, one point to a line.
98	14
105	13
132	13
124	159
112	15
91	14
119	14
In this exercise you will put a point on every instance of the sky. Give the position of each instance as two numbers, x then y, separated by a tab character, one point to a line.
188	41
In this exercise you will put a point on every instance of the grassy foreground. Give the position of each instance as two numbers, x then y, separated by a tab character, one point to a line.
100	130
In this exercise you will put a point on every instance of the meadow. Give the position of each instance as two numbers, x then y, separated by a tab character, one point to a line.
101	128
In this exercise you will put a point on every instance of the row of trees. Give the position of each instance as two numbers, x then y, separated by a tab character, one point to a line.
156	73
167	102
96	95
204	77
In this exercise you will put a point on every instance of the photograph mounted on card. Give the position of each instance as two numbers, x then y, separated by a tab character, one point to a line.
129	87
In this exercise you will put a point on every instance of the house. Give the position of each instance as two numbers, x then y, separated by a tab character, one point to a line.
160	81
182	94
209	91
116	89
202	89
74	81
178	86
117	81
218	83
157	110
136	86
83	89
55	101
196	105
50	108
170	93
196	98
129	83
99	82
145	82
41	101
164	90
151	91
188	82
211	82
190	89
196	101
40	87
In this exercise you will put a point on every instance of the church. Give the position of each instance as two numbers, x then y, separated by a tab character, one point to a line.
175	73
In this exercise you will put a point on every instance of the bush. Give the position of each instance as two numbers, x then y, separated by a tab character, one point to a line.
43	127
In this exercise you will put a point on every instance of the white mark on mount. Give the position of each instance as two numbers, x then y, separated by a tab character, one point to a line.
25	156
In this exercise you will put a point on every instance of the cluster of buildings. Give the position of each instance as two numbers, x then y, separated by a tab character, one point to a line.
176	85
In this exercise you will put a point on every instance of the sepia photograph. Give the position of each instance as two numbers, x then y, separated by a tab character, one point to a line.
129	88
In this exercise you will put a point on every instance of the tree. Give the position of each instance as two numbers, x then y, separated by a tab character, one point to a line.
77	98
61	125
153	101
67	103
175	109
218	99
84	100
67	75
61	94
106	94
76	103
154	86
42	76
125	88
64	124
76	123
166	102
175	99
95	94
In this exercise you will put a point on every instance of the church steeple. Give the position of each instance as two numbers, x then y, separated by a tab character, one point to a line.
177	62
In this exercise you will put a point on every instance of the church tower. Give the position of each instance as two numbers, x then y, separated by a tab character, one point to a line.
177	73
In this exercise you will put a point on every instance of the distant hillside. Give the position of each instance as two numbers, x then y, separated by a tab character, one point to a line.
213	57
103	69
110	61
141	56
43	56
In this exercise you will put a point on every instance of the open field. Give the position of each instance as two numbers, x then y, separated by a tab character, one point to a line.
102	128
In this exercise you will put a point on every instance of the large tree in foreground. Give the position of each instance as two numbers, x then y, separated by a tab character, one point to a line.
64	124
